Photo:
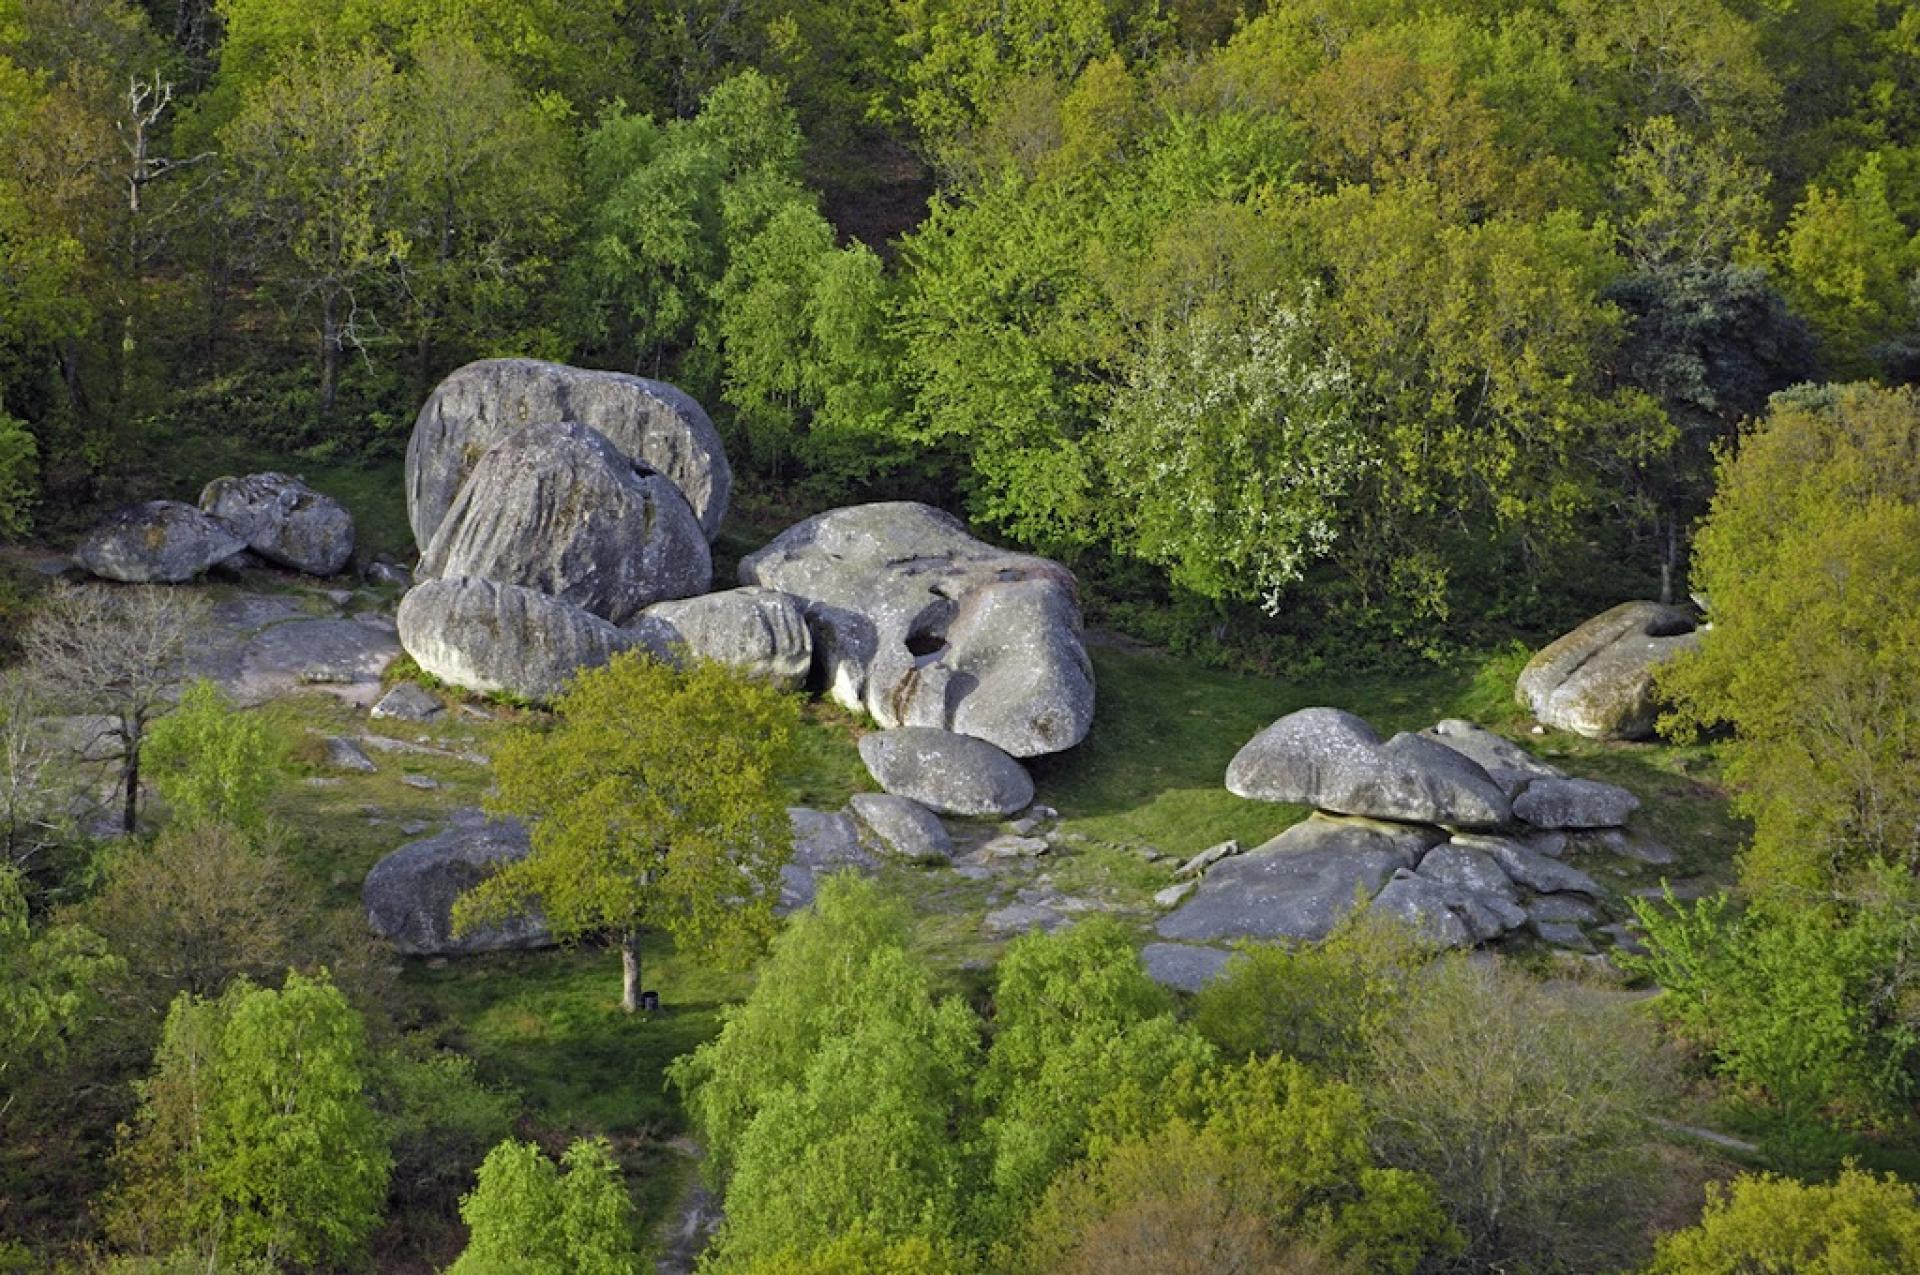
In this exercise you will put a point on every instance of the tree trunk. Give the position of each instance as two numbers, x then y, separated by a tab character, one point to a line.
329	355
130	776
630	971
1669	557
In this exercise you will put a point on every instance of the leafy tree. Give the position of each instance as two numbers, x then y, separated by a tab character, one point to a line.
527	1216
654	803
48	976
1687	203
860	1252
1857	1224
1845	260
19	476
440	1118
213	763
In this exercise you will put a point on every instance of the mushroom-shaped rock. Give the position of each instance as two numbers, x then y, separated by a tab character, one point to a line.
1597	680
947	773
480	404
409	894
761	631
160	542
919	624
492	637
1574	803
556	507
1509	765
1298	885
1332	760
284	521
899	827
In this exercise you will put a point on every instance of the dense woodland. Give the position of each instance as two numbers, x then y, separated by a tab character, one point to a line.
1325	339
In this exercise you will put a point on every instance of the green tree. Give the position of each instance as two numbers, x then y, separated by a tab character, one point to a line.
654	803
1855	1225
19	476
48	976
527	1216
1686	202
1845	260
213	763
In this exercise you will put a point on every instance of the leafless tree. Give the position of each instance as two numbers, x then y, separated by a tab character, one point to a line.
120	652
31	811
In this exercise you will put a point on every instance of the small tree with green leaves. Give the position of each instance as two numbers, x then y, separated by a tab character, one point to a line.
47	979
528	1216
213	763
1855	1225
654	803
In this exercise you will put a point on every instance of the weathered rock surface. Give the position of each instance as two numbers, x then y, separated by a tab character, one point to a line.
407	702
1021	918
492	637
823	842
556	507
761	631
1332	760
1425	907
1509	765
1597	680
1532	869
1574	803
899	827
1182	966
160	542
949	774
345	754
409	894
919	624
1467	868
284	521
1298	885
343	657
651	422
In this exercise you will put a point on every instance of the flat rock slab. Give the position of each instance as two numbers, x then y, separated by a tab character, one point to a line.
947	773
899	827
342	657
1183	966
1021	918
1532	869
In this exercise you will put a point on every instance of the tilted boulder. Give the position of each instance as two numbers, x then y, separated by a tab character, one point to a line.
917	623
284	521
1506	763
491	637
1574	803
409	895
947	773
761	631
160	542
556	507
1598	680
899	827
651	422
1332	760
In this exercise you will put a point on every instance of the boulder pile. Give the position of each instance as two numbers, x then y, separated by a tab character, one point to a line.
273	517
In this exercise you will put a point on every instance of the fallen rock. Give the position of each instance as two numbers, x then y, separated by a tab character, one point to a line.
160	542
1506	763
1332	760
284	521
1206	859
1020	918
1182	966
917	623
491	638
899	827
947	773
1175	894
1574	803
556	507
1298	885
650	422
1532	869
1015	847
345	754
1598	680
425	783
761	631
409	894
387	573
407	702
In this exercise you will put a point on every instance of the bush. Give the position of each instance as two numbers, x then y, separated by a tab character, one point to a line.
1856	1225
528	1217
214	764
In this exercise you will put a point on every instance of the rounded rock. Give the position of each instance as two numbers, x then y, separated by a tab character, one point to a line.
947	773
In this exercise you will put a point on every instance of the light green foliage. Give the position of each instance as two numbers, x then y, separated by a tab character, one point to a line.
528	1216
1844	261
1686	202
1855	1225
213	763
47	982
1810	559
829	1100
654	803
1075	1017
1698	60
19	476
255	1137
440	1118
858	1252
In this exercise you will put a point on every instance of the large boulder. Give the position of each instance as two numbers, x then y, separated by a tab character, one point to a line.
491	637
1598	680
761	631
899	827
284	521
556	507
1298	885
917	623
1506	763
480	404
409	894
1332	760
947	773
160	542
1574	803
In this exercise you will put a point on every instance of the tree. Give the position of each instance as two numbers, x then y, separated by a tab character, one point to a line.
47	982
116	651
1688	203
213	764
1845	261
528	1217
34	789
654	803
19	476
1857	1225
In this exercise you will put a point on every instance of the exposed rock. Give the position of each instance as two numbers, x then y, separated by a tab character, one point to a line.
343	657
1630	845
1206	859
1509	765
556	507
480	404
160	542
409	894
1597	680
379	572
1011	847
899	827
947	773
1563	934
284	521
823	842
919	624
1298	885
1175	894
492	637
1469	869
761	631
1425	907
1019	918
1574	803
1562	907
1332	760
1532	869
345	754
424	783
1182	966
407	702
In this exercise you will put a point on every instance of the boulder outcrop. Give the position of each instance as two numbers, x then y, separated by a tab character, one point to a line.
409	895
760	631
1598	680
901	828
947	773
284	521
491	637
160	542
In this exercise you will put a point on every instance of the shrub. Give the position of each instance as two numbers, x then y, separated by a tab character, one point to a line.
1855	1225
